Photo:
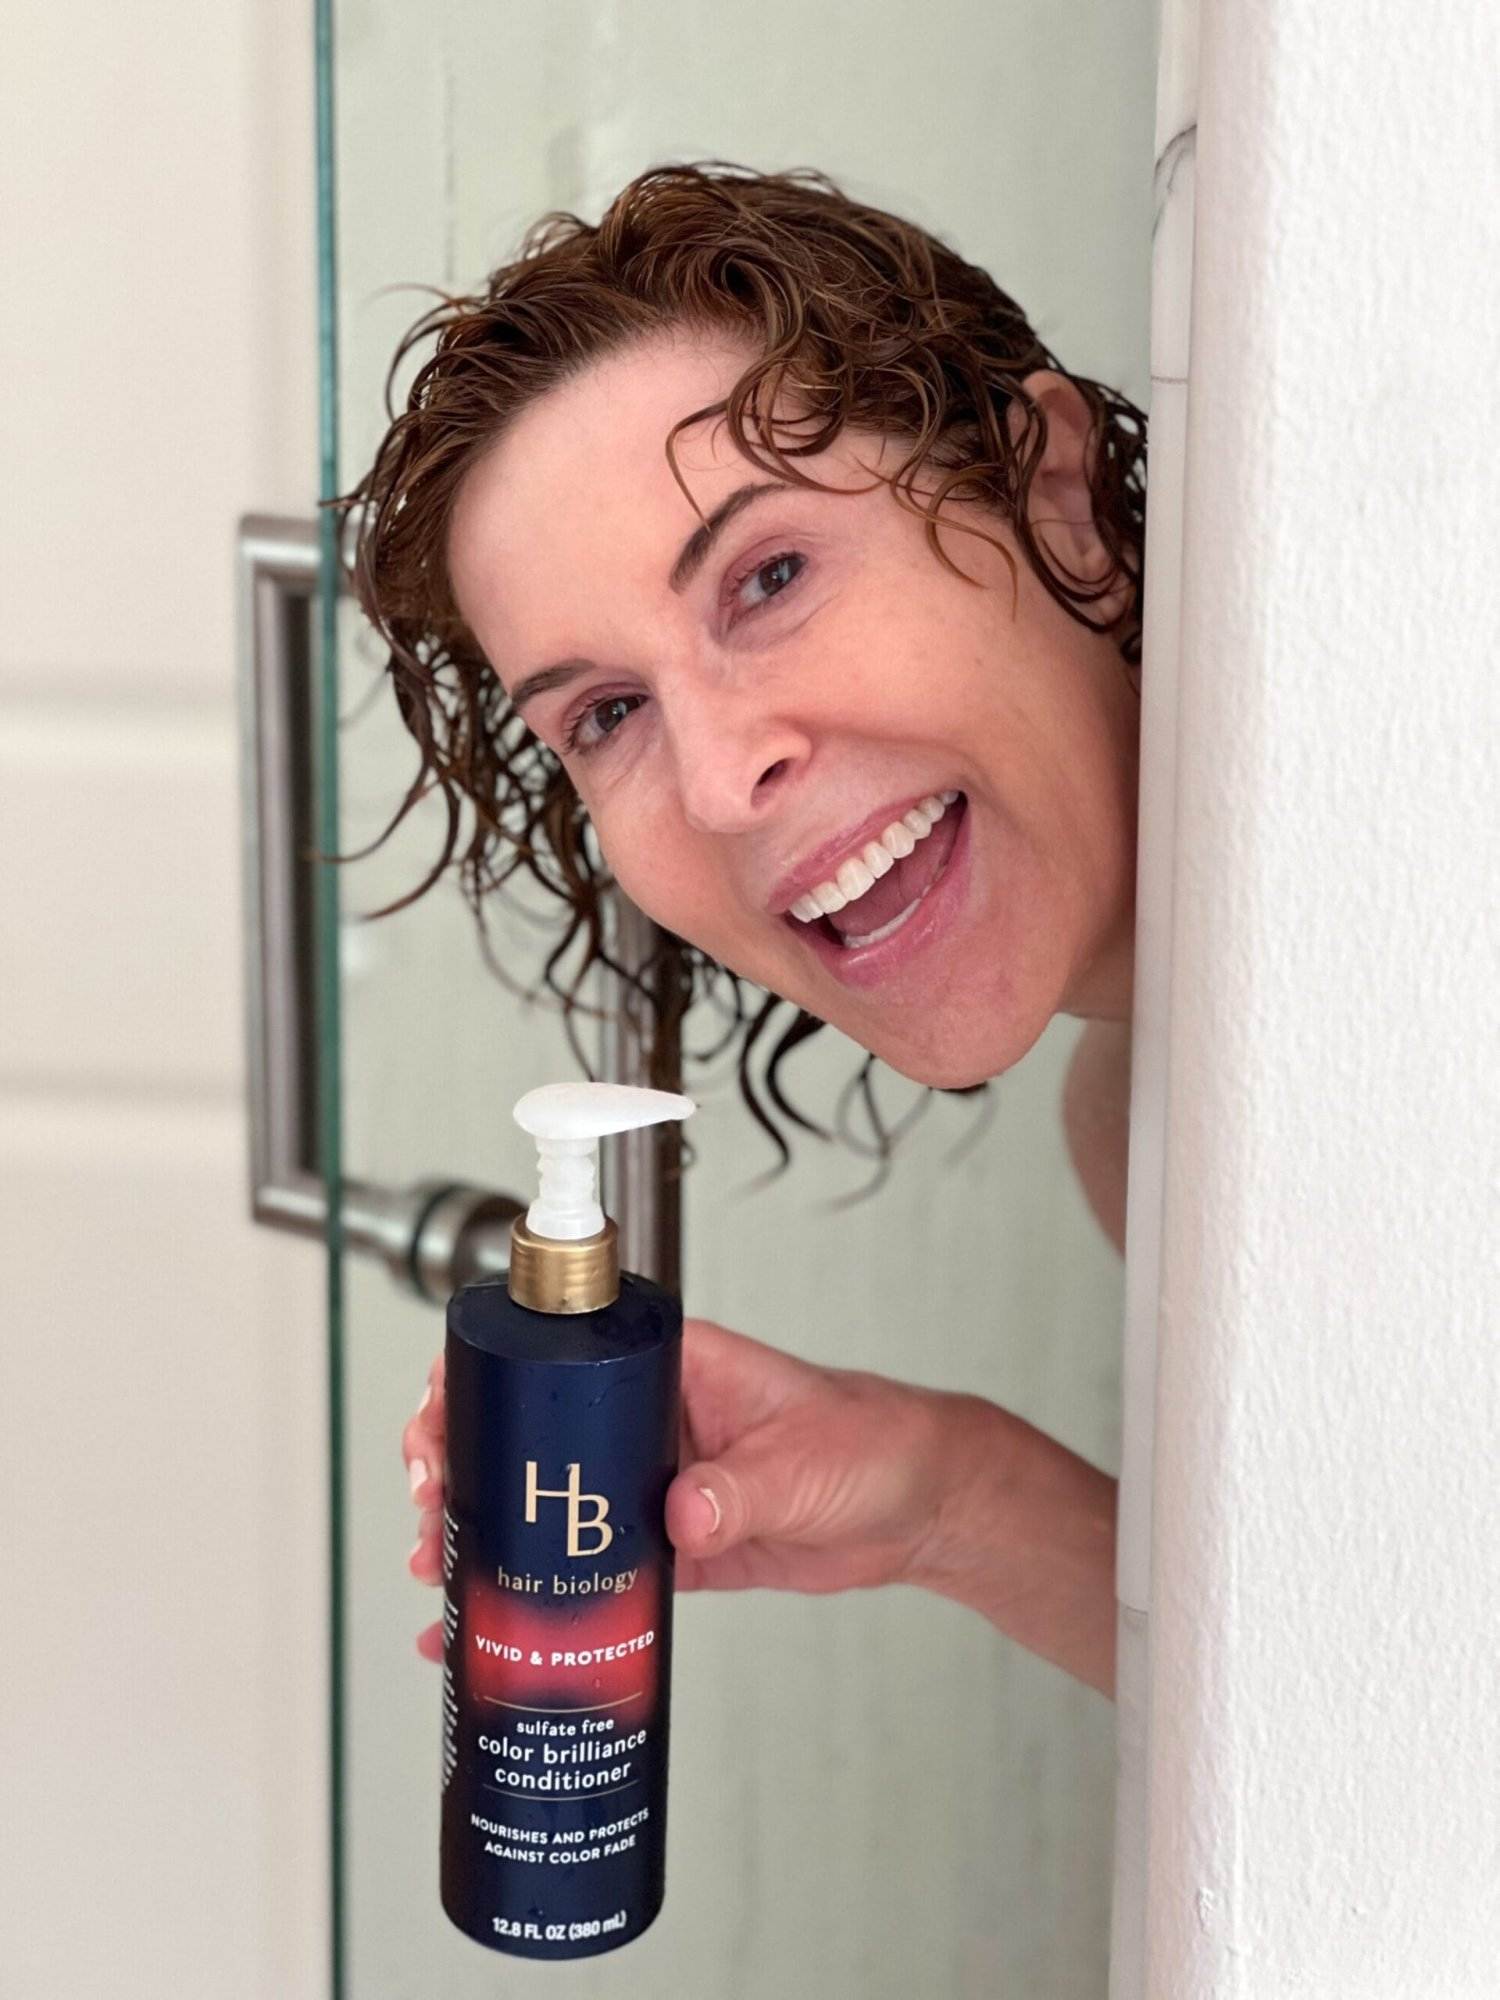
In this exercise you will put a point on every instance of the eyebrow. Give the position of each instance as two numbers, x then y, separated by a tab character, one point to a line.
695	551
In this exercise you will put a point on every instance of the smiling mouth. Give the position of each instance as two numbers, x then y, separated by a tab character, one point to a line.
879	891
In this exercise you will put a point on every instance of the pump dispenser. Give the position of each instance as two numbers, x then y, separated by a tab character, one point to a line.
562	1384
564	1258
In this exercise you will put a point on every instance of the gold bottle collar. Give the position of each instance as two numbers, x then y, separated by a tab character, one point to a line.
554	1277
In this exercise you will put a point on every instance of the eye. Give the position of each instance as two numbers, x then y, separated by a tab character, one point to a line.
598	721
782	570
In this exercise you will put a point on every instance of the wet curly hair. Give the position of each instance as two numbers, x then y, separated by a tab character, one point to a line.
857	318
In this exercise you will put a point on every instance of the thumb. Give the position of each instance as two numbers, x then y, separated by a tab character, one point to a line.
715	1504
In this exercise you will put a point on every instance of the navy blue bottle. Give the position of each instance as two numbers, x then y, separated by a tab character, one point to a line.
562	1386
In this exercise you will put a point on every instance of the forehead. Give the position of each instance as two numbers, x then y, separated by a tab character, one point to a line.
614	417
586	462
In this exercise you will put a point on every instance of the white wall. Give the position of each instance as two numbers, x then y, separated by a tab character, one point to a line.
1325	1733
161	1484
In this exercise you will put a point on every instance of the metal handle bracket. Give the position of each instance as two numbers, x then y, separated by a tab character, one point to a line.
437	1233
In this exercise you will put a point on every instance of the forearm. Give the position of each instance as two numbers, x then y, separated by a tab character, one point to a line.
1025	1534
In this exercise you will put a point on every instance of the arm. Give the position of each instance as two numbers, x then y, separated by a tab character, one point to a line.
1025	1535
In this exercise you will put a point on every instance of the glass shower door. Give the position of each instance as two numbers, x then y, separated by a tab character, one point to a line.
872	1795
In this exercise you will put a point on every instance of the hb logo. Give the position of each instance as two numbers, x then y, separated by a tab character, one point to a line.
598	1521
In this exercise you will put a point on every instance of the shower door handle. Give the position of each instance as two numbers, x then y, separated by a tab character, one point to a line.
438	1232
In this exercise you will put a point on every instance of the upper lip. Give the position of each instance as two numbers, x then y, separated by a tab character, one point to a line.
823	862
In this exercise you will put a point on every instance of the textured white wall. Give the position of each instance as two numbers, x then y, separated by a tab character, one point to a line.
1325	1729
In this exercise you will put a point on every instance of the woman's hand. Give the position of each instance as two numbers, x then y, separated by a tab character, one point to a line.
423	1446
795	1477
798	1477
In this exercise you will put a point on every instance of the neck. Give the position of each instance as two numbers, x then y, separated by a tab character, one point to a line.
1104	987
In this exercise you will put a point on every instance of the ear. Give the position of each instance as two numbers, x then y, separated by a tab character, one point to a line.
1059	504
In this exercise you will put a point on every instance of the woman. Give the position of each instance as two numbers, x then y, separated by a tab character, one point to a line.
756	538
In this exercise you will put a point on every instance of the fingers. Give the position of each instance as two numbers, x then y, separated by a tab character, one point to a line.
426	1559
423	1442
715	1361
733	1389
731	1382
695	1514
716	1504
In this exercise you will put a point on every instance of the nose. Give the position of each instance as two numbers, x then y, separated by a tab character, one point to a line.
735	759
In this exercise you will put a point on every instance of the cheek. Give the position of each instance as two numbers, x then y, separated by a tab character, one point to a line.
659	863
676	880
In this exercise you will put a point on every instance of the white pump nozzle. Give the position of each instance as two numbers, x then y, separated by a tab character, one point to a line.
567	1121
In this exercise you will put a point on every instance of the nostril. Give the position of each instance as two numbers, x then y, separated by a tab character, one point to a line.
772	771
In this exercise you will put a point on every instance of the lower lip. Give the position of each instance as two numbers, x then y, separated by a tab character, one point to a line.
869	964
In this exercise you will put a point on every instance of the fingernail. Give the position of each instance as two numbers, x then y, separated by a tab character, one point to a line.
713	1500
416	1472
426	1399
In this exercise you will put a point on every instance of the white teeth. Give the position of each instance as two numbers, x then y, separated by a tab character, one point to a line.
853	879
852	943
862	871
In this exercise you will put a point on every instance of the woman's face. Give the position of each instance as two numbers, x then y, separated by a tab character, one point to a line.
754	717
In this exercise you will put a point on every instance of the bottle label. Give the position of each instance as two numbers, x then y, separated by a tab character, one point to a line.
554	1721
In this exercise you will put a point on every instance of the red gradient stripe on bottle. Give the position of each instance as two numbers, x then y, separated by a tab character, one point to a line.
515	1649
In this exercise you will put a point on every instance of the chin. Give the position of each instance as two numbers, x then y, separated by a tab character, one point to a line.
957	1062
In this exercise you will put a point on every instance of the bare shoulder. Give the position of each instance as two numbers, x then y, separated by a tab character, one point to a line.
1096	1119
